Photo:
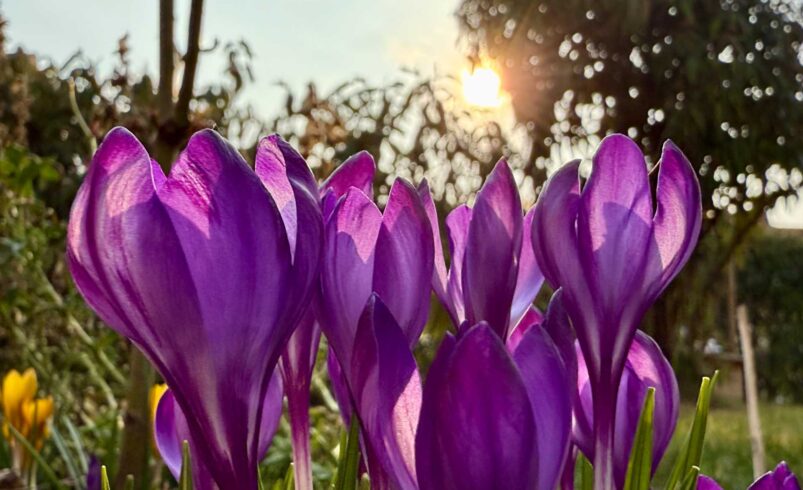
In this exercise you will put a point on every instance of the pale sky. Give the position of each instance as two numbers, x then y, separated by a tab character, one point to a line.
296	41
326	41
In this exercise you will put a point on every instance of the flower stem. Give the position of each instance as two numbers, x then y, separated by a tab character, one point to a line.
298	411
604	421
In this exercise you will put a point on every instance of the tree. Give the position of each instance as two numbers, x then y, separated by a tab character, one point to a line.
723	79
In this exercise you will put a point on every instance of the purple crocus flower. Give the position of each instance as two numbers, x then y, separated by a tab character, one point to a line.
200	271
493	275
492	419
171	429
613	254
781	478
707	483
459	433
369	251
93	474
275	161
645	367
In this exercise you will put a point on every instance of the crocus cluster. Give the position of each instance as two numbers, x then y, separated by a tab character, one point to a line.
25	417
227	276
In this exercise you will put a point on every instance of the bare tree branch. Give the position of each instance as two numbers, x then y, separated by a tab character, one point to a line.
166	50
190	62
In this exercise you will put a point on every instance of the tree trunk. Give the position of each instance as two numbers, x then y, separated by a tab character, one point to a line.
137	431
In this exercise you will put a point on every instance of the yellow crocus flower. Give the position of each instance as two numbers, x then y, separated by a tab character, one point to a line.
28	415
35	415
154	396
17	390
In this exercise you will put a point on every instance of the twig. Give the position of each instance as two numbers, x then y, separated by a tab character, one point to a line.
93	144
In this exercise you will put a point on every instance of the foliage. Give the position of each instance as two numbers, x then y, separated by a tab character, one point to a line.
36	110
769	284
45	322
413	126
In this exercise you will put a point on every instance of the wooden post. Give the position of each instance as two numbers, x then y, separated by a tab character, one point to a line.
751	390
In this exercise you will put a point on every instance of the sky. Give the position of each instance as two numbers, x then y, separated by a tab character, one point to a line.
295	41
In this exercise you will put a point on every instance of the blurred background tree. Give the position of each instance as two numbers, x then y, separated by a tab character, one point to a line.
722	78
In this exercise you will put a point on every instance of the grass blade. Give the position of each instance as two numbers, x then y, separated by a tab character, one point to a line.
690	482
76	442
691	453
68	459
639	467
349	460
586	472
185	480
289	478
104	478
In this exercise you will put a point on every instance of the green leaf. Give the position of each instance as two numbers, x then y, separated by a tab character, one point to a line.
61	446
129	482
76	442
691	453
348	465
289	478
260	483
185	480
104	478
690	482
586	472
639	467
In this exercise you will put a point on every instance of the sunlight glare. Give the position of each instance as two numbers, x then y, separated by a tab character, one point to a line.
481	87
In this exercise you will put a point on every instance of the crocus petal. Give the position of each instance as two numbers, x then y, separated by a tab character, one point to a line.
357	171
554	235
271	413
646	367
531	319
470	437
678	215
707	483
546	378
340	387
781	478
457	223
492	251
403	267
387	391
170	430
558	326
93	474
554	240
111	256
530	279
440	273
348	268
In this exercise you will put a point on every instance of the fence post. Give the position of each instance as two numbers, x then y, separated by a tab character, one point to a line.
751	390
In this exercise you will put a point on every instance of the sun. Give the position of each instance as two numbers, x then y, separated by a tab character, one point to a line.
482	87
